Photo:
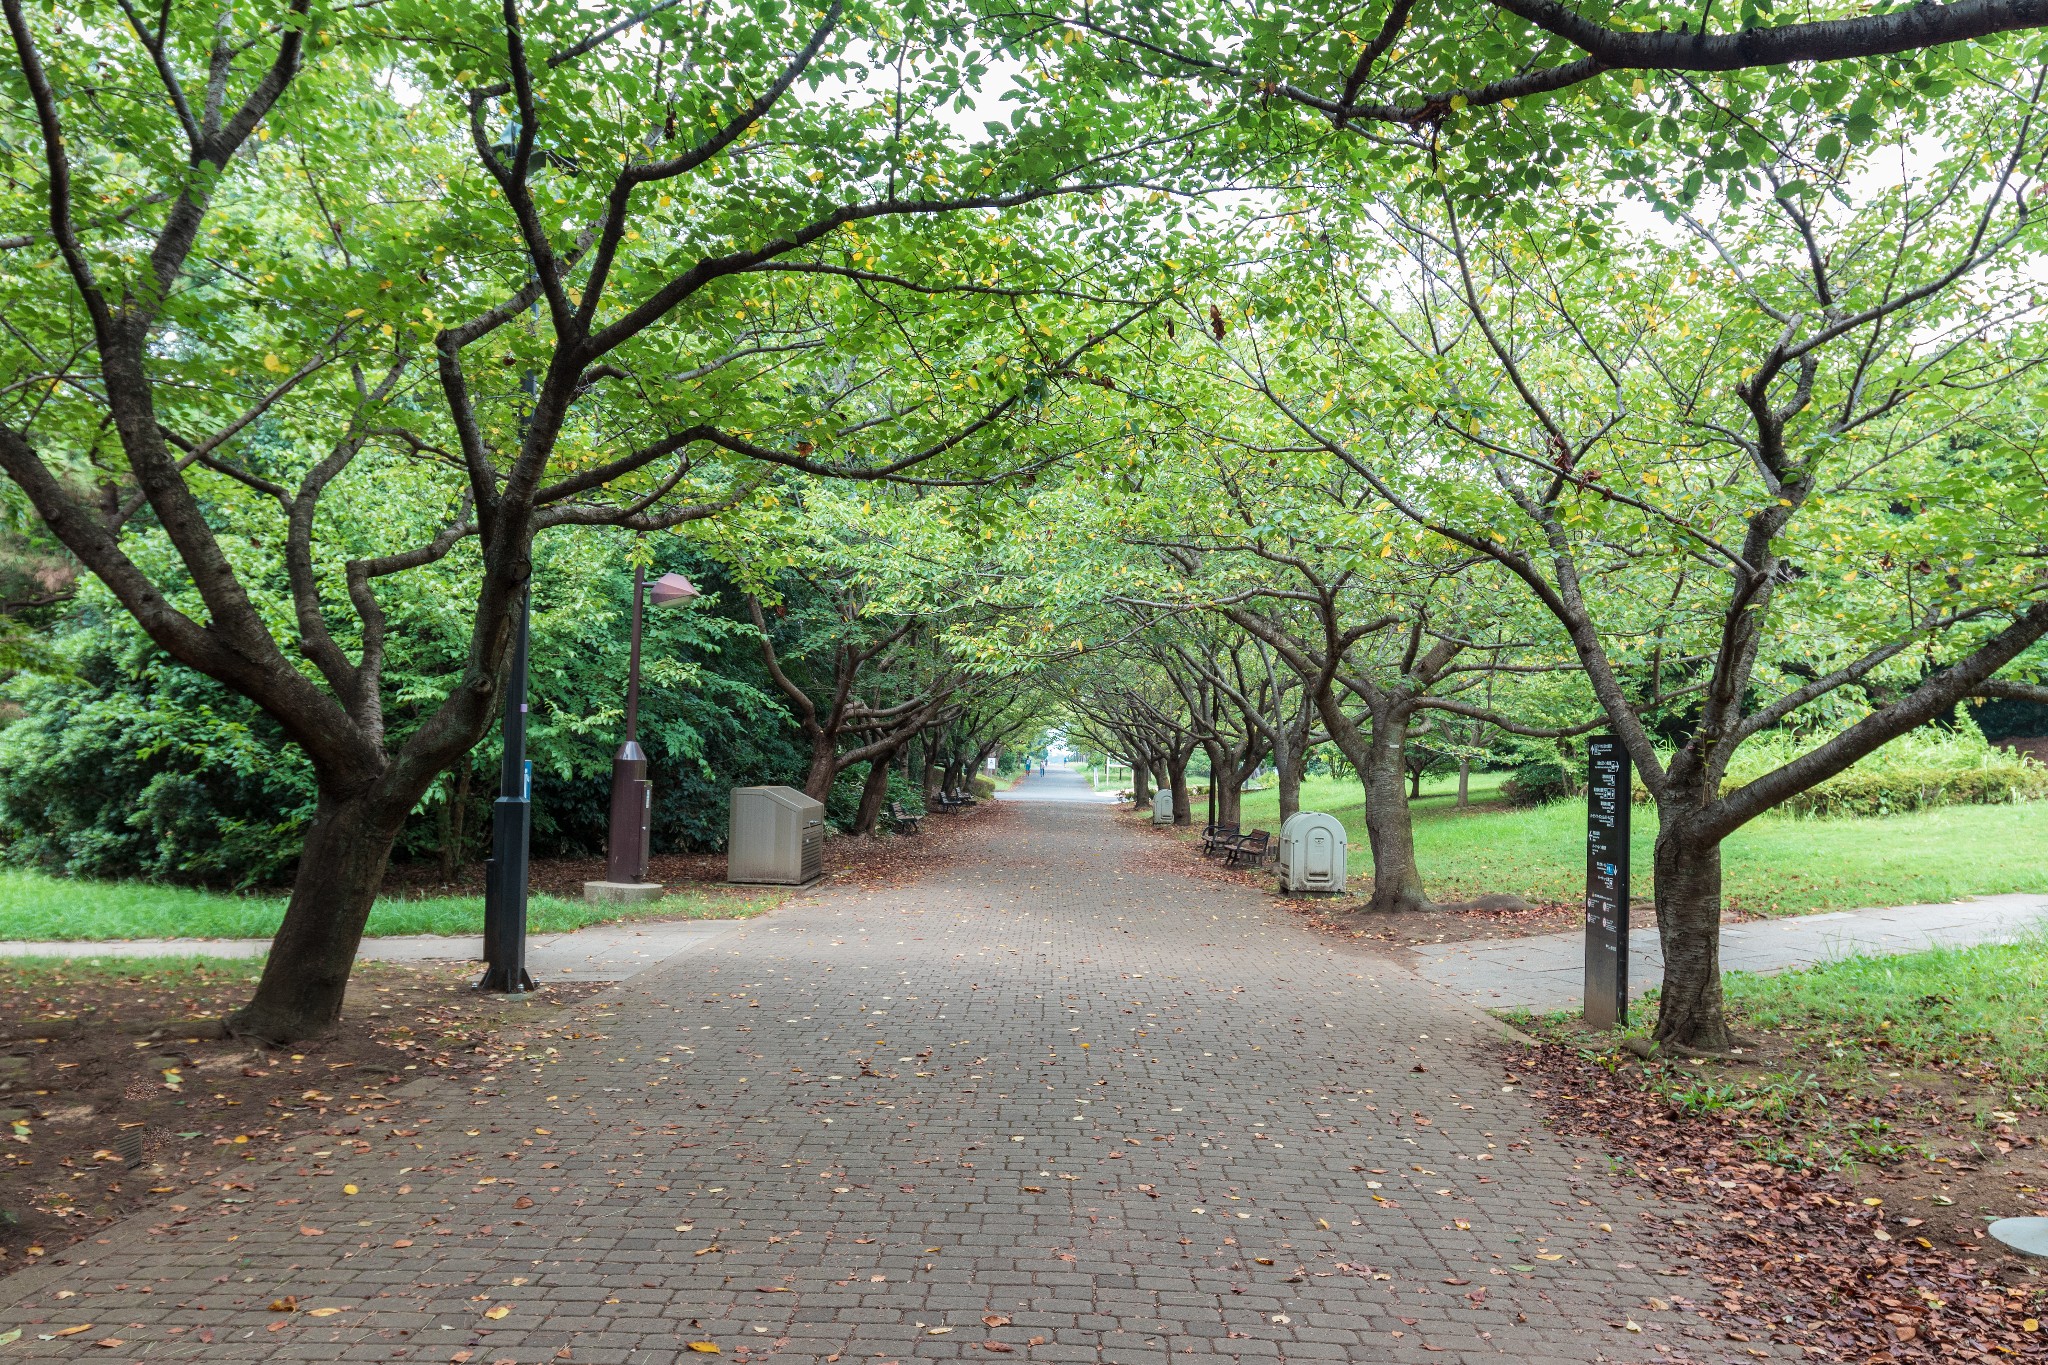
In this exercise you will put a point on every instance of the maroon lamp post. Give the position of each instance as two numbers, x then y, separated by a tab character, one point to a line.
626	849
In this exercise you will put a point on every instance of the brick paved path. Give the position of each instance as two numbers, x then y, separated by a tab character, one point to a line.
1047	1086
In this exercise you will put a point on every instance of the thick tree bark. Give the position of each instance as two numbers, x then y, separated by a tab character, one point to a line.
1396	882
1689	929
824	769
458	820
1290	761
874	790
444	831
340	870
1229	791
1177	782
451	819
1287	772
1379	757
1141	784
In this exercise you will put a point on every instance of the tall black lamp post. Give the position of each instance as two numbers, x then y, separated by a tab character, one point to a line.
511	825
627	848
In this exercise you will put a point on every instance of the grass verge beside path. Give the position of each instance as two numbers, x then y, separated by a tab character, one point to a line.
1778	865
1885	1112
38	907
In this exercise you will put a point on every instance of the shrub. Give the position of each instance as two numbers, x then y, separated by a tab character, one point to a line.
1927	767
1539	770
138	767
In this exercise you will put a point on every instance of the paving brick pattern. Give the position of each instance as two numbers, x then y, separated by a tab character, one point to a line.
1038	1087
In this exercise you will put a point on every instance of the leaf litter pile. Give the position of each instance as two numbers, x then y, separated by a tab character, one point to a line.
1878	1259
884	860
1178	849
118	1090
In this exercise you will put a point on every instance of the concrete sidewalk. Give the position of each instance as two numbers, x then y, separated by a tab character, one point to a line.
601	952
1547	971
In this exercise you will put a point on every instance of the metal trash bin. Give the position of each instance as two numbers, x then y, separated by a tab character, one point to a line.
1312	848
1162	806
777	837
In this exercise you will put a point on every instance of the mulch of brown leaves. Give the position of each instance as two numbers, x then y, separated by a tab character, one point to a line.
1863	1265
118	1090
883	859
1179	849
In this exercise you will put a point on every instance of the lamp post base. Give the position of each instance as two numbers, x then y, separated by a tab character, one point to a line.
629	893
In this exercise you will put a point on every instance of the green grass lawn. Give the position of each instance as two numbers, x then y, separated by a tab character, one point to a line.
1871	1059
1779	865
34	906
1984	1007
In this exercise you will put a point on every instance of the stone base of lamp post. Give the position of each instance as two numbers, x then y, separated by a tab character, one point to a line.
629	893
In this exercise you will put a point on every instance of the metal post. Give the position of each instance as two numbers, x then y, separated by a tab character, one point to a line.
511	826
1607	812
626	848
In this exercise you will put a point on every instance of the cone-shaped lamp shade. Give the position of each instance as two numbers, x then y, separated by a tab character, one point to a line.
671	588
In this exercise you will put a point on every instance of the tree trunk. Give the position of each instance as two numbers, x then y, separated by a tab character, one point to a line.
1688	891
1464	781
1379	759
1229	795
1396	883
1141	785
873	792
1177	780
1287	773
340	870
955	768
454	827
443	829
1415	784
824	768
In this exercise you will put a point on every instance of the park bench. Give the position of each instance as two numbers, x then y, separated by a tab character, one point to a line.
1215	836
1247	850
947	804
905	822
963	798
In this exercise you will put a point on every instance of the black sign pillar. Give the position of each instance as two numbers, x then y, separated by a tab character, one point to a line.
1607	808
511	825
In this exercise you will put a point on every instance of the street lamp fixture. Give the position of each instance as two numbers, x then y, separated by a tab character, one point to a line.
627	846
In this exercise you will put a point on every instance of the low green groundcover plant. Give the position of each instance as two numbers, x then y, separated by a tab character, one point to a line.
1868	1059
1984	1008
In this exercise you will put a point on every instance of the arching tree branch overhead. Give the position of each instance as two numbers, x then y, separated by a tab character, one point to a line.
1384	69
311	320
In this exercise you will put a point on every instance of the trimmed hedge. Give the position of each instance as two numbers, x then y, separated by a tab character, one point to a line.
1897	789
1928	767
